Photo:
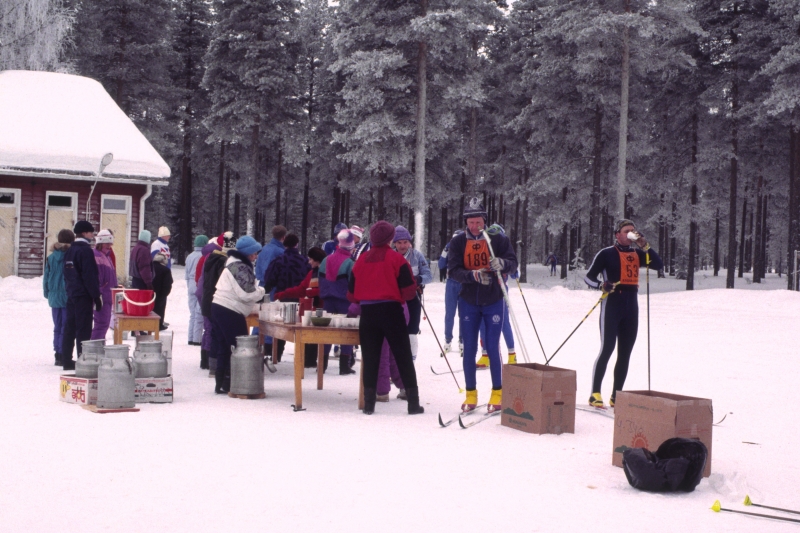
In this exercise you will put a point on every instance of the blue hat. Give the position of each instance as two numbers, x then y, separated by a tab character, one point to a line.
145	236
248	245
401	234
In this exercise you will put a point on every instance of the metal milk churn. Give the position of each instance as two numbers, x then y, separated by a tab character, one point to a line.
87	363
150	361
116	378
247	366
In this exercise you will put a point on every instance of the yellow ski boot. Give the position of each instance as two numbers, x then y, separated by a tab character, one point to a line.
483	362
495	401
512	358
595	400
471	402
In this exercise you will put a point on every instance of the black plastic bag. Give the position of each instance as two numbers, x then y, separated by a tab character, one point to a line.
677	465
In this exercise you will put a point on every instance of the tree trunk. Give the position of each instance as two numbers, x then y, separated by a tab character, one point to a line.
445	232
306	187
420	156
693	210
764	237
227	200
563	251
716	244
279	176
622	155
381	215
794	206
220	197
523	255
734	179
757	257
236	215
595	212
742	234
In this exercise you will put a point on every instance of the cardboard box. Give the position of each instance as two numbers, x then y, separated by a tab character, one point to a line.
645	419
538	398
80	391
153	390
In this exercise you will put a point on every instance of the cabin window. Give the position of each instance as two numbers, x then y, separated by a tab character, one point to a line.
7	198
114	204
59	201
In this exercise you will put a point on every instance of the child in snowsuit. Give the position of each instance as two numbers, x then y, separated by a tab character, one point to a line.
107	279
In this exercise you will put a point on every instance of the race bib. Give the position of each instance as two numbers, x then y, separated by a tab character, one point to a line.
476	255
629	268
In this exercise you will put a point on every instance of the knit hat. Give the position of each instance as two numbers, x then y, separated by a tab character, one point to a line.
145	236
200	241
248	245
474	208
226	240
381	233
160	258
622	223
346	239
317	254
104	237
163	231
401	234
338	228
291	241
83	227
65	236
358	231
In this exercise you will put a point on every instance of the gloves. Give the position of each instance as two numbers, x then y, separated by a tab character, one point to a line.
497	264
482	277
279	296
418	279
98	303
607	287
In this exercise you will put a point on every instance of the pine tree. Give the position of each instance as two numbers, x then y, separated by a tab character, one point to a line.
33	34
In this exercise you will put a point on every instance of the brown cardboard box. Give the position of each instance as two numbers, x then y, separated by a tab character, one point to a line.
538	398
645	419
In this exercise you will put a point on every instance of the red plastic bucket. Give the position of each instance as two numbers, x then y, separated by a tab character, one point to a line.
138	302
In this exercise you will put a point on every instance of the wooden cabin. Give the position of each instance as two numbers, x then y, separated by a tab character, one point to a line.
55	130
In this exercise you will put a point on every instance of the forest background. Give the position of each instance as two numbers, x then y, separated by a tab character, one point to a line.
562	115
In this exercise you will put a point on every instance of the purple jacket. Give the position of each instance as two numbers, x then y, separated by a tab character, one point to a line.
106	274
141	264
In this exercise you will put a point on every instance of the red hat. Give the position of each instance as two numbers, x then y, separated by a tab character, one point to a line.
381	233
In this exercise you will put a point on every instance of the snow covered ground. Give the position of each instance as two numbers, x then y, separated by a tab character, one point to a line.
212	463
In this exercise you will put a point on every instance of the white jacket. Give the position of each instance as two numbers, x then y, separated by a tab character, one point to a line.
238	294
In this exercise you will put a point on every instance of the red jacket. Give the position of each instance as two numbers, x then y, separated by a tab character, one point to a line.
303	290
381	274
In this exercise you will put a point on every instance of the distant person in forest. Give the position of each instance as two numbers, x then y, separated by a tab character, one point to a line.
107	279
619	314
54	289
83	293
161	245
552	262
162	285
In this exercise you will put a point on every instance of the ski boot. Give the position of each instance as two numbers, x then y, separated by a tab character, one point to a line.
483	362
611	400
512	358
471	402
402	395
446	348
414	408
495	401
595	400
382	398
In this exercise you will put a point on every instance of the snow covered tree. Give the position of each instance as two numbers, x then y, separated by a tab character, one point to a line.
33	34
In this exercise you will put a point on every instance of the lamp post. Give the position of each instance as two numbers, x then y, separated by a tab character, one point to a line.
107	159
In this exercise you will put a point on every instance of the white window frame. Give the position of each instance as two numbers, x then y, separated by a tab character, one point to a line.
47	209
18	202
129	202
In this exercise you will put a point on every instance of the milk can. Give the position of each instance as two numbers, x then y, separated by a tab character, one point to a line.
150	361
116	378
247	366
87	363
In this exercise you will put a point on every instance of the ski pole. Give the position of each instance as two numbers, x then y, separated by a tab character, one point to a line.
717	508
511	314
748	502
647	277
603	297
531	317
439	344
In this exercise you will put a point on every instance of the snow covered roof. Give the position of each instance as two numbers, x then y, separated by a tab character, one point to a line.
60	126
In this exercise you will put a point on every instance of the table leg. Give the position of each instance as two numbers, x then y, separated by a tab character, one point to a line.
157	331
274	351
320	364
118	334
361	383
298	373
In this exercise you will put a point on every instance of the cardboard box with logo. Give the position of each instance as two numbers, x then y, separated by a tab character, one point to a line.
80	391
645	419
538	398
153	390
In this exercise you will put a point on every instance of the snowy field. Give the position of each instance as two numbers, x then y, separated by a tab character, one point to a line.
211	463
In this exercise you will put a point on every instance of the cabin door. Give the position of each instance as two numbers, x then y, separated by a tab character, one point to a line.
10	201
115	215
62	213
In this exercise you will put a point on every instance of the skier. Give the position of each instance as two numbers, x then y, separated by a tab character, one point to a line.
552	262
451	290
469	262
619	314
422	275
508	333
161	245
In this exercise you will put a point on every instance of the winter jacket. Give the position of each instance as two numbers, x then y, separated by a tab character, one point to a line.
212	269
286	271
207	249
237	288
419	267
80	271
334	272
53	280
380	275
473	292
142	264
269	253
191	267
106	275
608	263
160	246
162	281
308	288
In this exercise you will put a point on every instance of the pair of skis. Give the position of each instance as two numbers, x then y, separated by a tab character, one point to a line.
473	420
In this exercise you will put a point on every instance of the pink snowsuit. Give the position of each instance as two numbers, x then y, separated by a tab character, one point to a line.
107	276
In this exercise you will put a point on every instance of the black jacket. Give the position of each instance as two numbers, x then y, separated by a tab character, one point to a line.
472	291
162	281
80	271
212	270
607	263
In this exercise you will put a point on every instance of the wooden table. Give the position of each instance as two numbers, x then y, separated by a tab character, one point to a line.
147	323
302	335
252	320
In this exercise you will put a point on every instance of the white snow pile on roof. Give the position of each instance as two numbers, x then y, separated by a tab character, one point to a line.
53	124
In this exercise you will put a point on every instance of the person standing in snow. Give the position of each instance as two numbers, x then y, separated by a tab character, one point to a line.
206	357
195	317
141	268
107	279
334	272
162	286
469	262
330	246
212	270
236	291
508	333
268	254
619	313
451	290
161	245
55	290
83	293
552	262
422	276
381	281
